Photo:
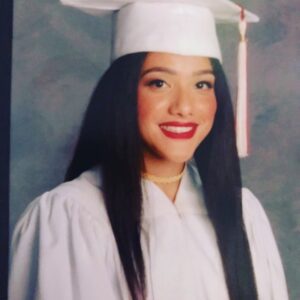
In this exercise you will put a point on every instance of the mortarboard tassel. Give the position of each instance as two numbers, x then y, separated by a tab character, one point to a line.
241	109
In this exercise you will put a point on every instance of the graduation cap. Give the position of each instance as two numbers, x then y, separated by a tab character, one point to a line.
186	27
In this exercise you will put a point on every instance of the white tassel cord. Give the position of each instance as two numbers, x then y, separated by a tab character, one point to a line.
241	110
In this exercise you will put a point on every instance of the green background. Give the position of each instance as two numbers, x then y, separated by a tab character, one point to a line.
58	56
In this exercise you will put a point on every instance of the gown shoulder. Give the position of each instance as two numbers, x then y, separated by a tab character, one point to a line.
63	246
268	268
82	195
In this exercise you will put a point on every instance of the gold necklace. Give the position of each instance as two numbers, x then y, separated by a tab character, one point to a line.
158	179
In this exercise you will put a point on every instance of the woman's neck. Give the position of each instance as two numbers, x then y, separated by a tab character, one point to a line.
164	170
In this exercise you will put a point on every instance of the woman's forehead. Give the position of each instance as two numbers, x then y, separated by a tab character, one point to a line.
176	62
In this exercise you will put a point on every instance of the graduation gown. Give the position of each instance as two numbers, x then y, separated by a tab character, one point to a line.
63	247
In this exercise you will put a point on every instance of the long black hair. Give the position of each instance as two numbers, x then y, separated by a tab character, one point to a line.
110	137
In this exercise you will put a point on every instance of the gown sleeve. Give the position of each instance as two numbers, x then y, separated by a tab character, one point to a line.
268	269
60	250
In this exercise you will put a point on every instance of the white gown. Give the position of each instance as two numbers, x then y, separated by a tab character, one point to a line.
63	247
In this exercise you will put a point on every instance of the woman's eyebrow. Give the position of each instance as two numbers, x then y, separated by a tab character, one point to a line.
158	69
173	72
203	72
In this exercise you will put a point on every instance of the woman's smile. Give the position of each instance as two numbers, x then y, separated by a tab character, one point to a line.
177	130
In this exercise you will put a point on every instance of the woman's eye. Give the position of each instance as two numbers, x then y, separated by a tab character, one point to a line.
204	85
157	83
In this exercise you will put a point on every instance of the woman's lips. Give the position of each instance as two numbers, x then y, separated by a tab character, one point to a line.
178	130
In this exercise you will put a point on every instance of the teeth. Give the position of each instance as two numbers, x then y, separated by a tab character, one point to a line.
177	129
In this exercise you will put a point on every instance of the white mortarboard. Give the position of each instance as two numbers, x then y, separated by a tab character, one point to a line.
186	27
180	27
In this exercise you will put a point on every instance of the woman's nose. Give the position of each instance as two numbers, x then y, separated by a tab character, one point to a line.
181	103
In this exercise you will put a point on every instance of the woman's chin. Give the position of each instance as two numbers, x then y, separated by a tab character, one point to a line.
176	155
178	158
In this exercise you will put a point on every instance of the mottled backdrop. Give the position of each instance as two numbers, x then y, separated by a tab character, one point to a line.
59	54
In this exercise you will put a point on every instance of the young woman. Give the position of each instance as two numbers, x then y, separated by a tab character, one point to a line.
152	206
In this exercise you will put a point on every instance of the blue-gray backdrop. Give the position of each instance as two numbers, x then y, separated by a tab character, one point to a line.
60	53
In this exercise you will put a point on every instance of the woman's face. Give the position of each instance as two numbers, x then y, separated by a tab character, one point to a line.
176	105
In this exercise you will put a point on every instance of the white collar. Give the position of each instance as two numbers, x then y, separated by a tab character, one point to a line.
189	198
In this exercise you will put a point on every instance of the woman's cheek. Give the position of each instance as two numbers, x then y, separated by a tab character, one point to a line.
212	108
207	111
142	107
144	111
149	105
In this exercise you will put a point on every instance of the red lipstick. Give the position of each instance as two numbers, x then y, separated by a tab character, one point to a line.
178	130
